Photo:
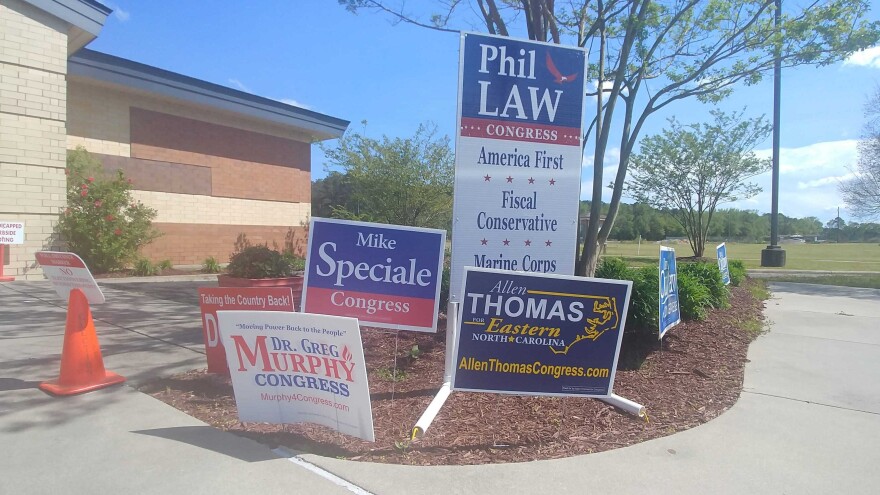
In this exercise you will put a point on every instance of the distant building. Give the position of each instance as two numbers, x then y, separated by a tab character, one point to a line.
215	162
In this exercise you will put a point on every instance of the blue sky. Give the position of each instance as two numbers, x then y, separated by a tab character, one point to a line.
317	55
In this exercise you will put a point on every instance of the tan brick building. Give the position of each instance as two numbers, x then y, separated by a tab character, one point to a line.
215	162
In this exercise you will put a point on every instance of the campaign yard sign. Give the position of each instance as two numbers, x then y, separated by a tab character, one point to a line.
670	313
298	368
68	271
213	299
536	334
518	156
384	275
721	254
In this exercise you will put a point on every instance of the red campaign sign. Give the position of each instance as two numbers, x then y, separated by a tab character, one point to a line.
212	300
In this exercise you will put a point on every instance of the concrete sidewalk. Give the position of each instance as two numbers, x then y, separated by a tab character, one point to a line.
808	420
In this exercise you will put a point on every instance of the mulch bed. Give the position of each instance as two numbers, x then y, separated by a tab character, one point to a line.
696	376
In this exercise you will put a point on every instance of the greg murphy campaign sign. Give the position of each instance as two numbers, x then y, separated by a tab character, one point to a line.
298	368
536	334
384	275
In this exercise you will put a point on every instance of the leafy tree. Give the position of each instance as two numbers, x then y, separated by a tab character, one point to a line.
686	48
333	191
689	170
396	181
862	192
102	223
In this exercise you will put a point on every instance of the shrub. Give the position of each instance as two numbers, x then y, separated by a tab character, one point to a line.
259	262
144	268
644	300
694	298
164	265
102	223
710	277
613	268
737	271
210	265
444	281
297	262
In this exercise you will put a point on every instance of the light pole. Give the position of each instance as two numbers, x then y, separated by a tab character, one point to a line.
773	255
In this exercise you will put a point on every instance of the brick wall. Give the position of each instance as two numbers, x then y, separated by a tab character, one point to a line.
33	110
190	244
244	164
211	176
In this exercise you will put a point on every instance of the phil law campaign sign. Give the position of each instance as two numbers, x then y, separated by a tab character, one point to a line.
518	156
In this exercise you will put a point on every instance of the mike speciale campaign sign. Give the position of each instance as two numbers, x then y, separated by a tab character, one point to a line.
670	313
214	299
536	334
518	156
298	368
384	275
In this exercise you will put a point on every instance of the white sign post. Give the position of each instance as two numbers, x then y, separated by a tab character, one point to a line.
10	233
298	368
68	271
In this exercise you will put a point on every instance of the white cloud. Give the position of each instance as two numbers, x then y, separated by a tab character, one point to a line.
593	86
814	158
292	102
869	57
236	84
824	181
118	12
808	180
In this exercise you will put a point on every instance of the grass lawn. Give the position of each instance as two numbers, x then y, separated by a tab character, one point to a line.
831	257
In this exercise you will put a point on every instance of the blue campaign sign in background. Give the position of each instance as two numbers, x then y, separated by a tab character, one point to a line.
721	254
384	275
670	313
515	80
538	334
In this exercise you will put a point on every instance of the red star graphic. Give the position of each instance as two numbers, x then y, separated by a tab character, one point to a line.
506	242
528	242
552	182
487	178
484	242
509	179
531	180
548	242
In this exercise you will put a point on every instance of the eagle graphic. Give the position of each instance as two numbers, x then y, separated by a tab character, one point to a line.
558	75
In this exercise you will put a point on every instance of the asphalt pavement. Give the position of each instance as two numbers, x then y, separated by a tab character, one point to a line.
808	420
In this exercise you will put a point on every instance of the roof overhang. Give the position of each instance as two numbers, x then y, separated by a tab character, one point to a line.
113	70
85	17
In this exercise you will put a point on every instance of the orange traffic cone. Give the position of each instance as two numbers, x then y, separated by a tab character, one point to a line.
82	367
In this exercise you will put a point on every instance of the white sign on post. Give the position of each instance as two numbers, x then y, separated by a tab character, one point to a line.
11	232
68	271
518	156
